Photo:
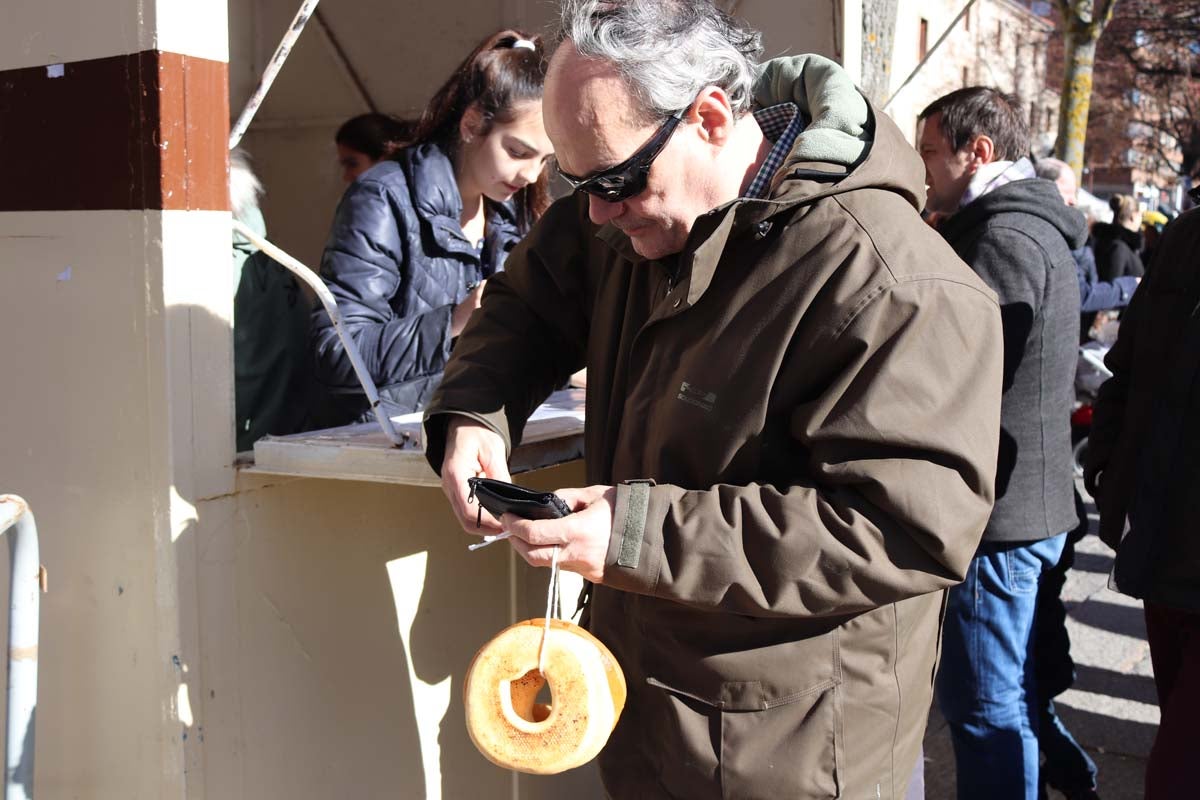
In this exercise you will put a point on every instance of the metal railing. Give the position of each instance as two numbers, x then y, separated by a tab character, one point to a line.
330	303
26	584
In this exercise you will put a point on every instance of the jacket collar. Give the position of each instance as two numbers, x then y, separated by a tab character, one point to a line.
436	200
710	236
706	243
431	180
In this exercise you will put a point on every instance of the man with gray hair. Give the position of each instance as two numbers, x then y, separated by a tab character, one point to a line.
792	405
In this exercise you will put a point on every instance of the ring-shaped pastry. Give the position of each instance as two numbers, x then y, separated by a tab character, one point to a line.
505	721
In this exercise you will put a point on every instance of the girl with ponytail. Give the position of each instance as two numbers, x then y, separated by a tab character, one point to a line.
416	236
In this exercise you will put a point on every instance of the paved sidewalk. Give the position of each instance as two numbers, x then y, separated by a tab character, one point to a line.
1111	710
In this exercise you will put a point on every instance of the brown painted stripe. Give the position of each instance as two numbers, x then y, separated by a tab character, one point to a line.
145	130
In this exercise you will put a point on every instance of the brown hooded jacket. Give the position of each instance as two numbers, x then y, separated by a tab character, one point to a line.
813	385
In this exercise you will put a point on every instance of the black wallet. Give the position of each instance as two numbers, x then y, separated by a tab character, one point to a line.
499	497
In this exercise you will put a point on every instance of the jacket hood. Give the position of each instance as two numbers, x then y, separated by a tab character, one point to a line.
1033	196
848	145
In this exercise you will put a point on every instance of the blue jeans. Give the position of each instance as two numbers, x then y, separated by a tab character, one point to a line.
985	686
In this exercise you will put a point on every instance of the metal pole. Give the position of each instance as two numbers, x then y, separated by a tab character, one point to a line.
928	54
24	601
317	285
273	67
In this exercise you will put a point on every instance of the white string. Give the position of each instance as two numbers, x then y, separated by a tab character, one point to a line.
498	537
551	602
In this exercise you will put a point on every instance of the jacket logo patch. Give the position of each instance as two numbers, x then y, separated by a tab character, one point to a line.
697	397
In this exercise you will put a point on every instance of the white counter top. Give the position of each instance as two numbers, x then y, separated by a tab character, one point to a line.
553	435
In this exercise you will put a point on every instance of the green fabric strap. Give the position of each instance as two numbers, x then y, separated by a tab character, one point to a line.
635	524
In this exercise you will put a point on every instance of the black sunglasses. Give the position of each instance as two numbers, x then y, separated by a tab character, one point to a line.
628	178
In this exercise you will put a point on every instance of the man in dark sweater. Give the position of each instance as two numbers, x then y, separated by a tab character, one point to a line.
1014	230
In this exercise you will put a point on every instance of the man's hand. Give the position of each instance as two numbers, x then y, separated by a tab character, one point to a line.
472	451
582	537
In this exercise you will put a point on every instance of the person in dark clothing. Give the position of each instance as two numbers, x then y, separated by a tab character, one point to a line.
1118	243
1094	294
1098	295
1068	767
274	389
1013	229
1144	471
416	236
1153	223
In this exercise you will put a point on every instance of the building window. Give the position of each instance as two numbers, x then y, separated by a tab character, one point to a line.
923	40
999	33
1033	118
967	19
966	77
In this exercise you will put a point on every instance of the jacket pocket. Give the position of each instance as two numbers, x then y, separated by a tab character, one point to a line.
752	744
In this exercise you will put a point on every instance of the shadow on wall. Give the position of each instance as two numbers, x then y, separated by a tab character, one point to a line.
337	620
305	687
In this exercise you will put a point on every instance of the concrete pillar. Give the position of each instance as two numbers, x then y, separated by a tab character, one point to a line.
114	315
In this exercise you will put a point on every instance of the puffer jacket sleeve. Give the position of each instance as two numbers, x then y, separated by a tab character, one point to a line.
363	266
1095	294
902	447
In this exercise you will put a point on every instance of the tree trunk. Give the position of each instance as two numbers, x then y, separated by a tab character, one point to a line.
1076	100
1083	22
879	33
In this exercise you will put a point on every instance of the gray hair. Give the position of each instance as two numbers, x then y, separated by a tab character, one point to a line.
245	189
1050	168
667	50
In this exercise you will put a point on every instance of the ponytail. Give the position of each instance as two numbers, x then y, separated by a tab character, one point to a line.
504	70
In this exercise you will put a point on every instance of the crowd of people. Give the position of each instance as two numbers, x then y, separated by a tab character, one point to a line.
830	382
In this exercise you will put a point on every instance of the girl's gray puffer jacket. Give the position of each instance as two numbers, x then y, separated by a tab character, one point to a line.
398	262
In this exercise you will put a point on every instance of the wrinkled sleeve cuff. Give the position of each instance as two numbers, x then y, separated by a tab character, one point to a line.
635	547
437	424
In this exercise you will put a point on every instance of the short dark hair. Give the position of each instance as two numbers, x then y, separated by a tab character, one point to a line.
982	110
